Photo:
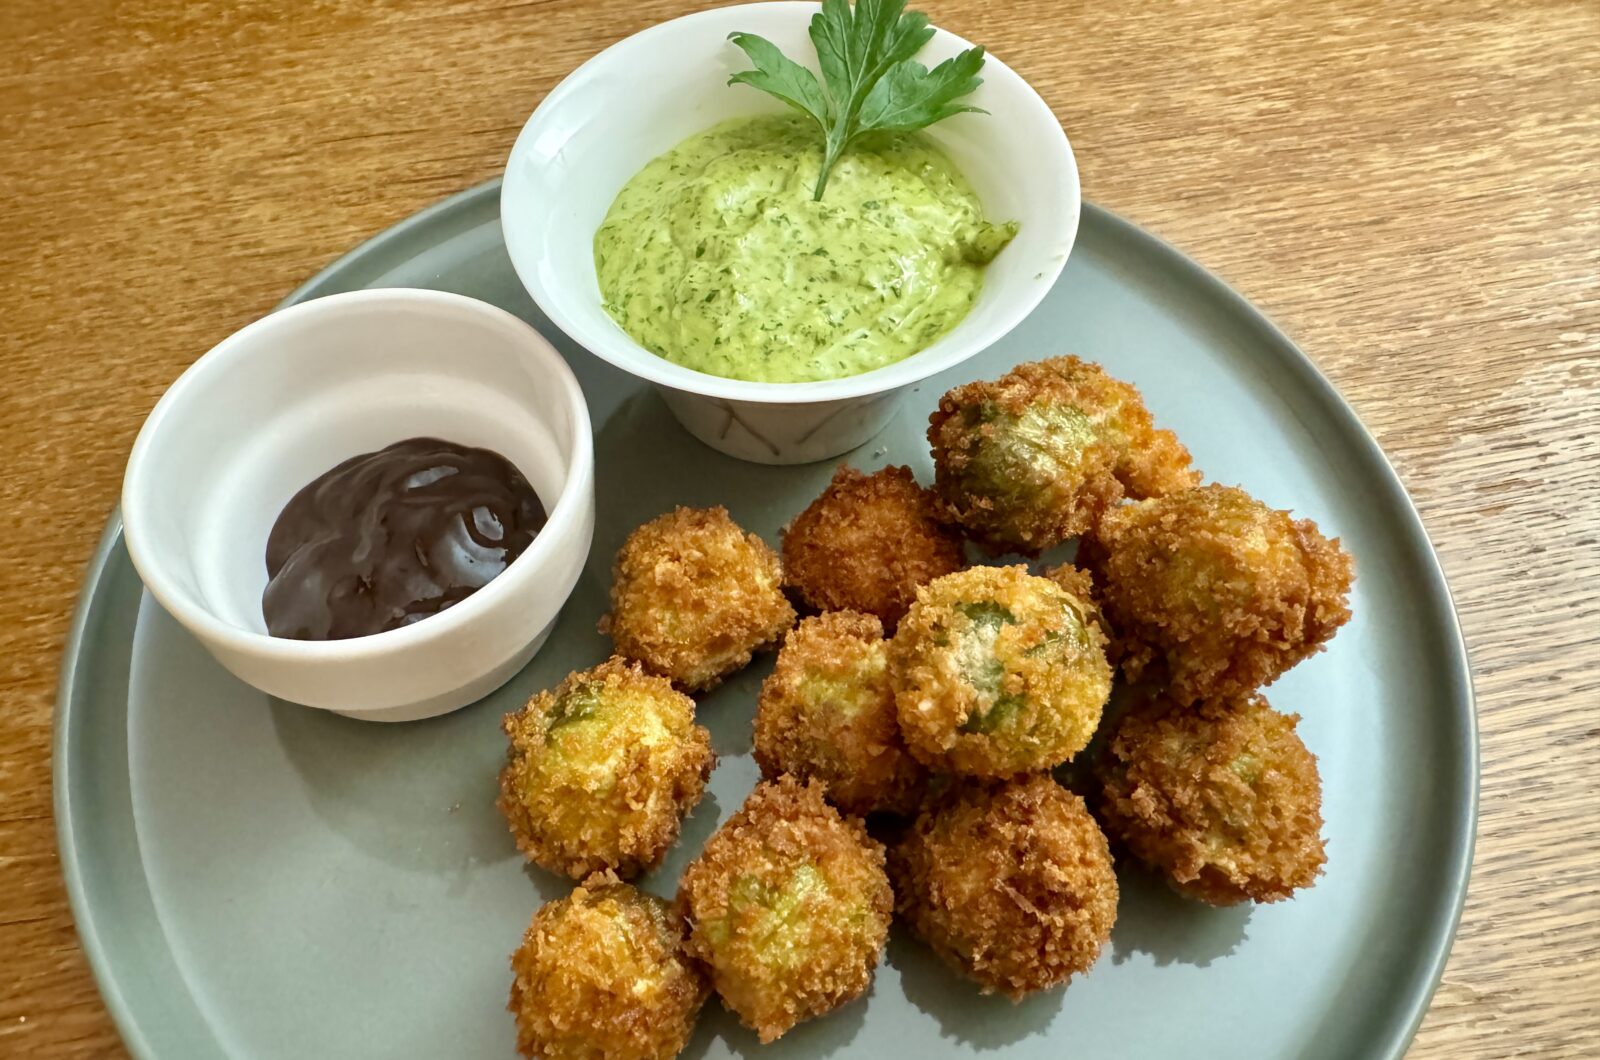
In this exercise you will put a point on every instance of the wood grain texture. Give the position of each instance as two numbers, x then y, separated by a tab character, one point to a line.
1408	187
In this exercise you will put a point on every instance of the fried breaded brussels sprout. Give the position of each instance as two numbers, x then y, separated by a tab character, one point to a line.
1214	593
866	544
1010	882
789	906
693	596
1223	798
1031	459
827	713
997	672
601	771
601	975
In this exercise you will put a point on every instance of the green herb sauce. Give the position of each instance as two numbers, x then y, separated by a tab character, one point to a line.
715	257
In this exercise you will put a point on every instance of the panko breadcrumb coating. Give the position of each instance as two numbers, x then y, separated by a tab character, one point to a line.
601	975
1149	462
1079	587
1223	798
1010	882
997	672
601	771
827	713
693	596
789	906
866	544
1031	459
1214	593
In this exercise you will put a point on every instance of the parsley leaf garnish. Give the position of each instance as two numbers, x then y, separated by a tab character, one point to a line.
870	82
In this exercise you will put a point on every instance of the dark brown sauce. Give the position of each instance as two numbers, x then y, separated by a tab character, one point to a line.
388	538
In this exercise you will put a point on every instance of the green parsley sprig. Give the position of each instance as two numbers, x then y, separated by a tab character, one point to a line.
870	82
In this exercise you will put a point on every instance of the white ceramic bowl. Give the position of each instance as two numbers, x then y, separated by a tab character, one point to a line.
286	398
648	93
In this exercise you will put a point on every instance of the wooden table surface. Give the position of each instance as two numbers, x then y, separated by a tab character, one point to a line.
1411	189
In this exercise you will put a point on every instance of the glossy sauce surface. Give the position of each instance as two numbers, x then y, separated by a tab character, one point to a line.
391	537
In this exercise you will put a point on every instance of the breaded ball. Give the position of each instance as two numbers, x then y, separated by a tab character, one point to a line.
1223	798
1010	882
693	596
1031	459
1215	593
867	543
827	713
601	772
789	906
601	975
997	672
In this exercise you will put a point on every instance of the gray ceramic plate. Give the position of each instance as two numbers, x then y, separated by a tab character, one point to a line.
255	879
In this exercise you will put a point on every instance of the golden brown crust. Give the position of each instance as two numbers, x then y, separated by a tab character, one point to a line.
866	544
1017	464
1011	883
997	672
827	713
1223	798
1031	459
693	596
1149	462
789	905
601	771
1078	584
601	975
1213	593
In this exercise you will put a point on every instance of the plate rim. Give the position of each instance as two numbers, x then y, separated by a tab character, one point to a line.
1461	842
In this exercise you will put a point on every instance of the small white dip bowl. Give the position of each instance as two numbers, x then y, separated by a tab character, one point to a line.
286	398
647	94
